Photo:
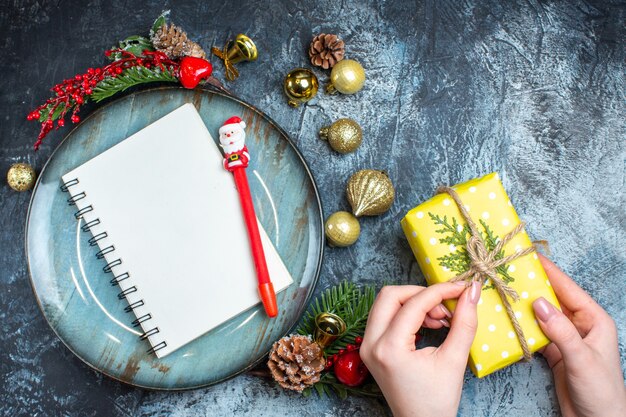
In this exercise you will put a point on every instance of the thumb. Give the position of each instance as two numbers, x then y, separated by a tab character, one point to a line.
560	330
464	324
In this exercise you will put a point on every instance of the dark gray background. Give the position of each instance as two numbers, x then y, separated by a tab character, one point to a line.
456	89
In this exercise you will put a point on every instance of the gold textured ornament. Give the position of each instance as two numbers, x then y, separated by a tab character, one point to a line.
21	177
300	86
344	136
370	192
241	49
347	77
328	328
342	229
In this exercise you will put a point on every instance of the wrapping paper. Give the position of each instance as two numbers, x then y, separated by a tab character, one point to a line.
436	232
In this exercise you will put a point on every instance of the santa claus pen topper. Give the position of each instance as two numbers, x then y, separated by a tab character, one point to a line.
236	158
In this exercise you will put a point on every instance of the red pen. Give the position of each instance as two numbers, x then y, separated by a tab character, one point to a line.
236	159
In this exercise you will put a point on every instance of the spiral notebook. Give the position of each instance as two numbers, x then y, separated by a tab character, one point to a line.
167	220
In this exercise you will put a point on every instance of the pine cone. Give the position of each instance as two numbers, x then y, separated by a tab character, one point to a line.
296	362
173	42
326	50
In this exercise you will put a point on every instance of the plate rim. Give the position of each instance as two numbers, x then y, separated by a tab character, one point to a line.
284	134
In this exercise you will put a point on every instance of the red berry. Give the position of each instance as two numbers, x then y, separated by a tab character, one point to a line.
78	77
61	123
350	347
341	352
75	118
350	369
358	340
88	91
79	100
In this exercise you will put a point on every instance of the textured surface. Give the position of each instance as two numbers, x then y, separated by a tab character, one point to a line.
534	90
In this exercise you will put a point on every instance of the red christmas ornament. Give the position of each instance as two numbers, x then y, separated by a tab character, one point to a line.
193	70
350	369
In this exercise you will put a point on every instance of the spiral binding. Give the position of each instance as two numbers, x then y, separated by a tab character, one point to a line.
108	268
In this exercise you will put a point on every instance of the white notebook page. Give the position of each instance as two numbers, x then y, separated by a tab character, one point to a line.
173	215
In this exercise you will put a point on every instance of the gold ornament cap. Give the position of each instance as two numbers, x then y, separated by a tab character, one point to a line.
21	177
300	86
344	136
370	192
347	77
328	328
342	229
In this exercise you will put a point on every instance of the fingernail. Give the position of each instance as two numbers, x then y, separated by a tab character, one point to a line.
543	309
445	322
474	292
460	283
445	311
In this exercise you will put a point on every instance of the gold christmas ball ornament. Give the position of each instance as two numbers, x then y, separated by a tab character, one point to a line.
344	136
347	77
300	86
21	177
370	192
342	229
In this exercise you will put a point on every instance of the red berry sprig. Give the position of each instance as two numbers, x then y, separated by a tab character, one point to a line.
72	93
330	360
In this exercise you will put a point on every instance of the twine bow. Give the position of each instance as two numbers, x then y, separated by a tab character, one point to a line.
484	263
231	71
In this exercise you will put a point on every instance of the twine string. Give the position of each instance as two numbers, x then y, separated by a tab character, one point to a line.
483	264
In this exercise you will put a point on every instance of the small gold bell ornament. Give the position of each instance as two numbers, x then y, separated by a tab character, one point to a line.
235	51
370	192
347	77
21	177
300	86
342	229
344	136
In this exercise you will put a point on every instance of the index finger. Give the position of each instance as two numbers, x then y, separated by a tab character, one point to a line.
411	315
389	300
567	291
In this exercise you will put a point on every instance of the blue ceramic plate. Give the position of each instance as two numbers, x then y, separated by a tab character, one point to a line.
75	294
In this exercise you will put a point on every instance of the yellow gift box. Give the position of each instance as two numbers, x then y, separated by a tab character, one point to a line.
437	231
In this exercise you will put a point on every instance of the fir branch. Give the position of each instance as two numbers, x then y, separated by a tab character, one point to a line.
347	301
328	385
459	261
355	315
329	301
130	77
353	305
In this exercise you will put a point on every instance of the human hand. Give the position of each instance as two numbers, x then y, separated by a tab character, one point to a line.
403	372
583	355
